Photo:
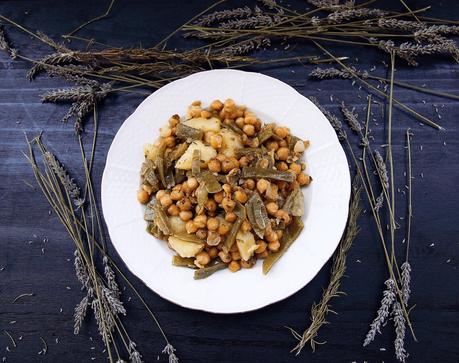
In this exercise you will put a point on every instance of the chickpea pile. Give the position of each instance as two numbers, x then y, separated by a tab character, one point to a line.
204	173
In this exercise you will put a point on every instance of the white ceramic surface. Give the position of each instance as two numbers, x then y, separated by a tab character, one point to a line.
225	292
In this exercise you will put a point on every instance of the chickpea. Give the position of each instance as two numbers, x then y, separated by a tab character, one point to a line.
239	122
206	114
184	204
174	120
192	183
282	166
214	166
280	233
234	248
249	184
296	168
210	205
229	164
201	233
230	217
225	257
226	188
271	236
173	210
283	143
229	103
208	135
234	266
228	204
283	153
196	103
185	215
200	221
212	224
249	130
272	208
282	214
303	179
191	227
160	194
176	195
216	105
274	246
282	184
282	132
223	229
235	256
272	145
262	185
263	255
240	196
247	264
216	141
169	141
250	120
264	163
294	184
213	252
218	197
166	200
262	245
143	197
202	258
246	226
165	131
244	161
221	157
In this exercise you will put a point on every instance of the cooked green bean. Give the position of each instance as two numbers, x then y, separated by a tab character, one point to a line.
183	262
251	172
188	133
205	272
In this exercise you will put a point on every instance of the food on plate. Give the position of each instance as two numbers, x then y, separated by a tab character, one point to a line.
224	189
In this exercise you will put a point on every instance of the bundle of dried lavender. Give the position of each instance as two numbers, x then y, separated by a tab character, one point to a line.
5	44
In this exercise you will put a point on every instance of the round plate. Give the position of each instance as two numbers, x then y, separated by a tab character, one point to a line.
326	199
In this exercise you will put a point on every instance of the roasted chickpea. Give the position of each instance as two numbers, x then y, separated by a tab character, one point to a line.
202	258
272	145
221	157
234	266
192	183
210	205
200	221
303	179
214	166
176	195
274	246
206	114
218	197
249	184
282	132
264	163
272	208
262	245
249	130
250	120
282	214
283	143
143	197
185	215
262	185
282	166
216	141
169	141
166	200
246	226
271	236
239	122
212	224
216	105
263	255
296	168
229	164
247	264
240	196
165	131
235	256
228	204
225	257
173	210
243	161
184	204
196	103
223	229
201	233
230	217
160	194
226	188
234	248
229	103
191	227
283	153
213	252
174	120
280	233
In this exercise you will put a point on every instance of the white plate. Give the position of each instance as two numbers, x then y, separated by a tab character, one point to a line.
326	198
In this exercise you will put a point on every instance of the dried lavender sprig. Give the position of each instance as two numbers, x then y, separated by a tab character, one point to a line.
336	124
379	202
383	312
68	94
68	183
170	351
348	14
400	326
331	72
392	23
257	20
434	32
247	46
134	355
406	281
332	4
114	303
352	118
81	271
110	276
5	44
224	15
382	168
57	58
80	314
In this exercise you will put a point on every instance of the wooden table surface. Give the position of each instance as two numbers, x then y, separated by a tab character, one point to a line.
36	253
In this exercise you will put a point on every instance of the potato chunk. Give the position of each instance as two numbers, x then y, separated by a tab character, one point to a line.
231	142
184	248
204	124
207	153
246	244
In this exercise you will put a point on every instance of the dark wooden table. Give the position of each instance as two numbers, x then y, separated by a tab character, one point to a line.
36	253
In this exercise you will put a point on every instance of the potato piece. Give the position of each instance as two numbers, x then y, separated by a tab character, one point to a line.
246	244
204	124
177	225
231	142
184	248
150	151
207	153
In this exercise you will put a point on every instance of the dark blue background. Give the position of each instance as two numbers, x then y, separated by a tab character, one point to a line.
46	267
